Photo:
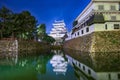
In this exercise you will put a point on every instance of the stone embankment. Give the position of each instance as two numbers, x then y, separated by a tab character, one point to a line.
15	45
104	41
32	46
8	45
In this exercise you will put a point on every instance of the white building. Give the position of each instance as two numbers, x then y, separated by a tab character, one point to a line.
99	15
58	31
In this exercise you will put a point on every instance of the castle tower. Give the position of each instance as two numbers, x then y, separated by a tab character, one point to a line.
58	31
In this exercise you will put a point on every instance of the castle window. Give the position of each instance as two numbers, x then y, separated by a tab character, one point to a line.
112	7
87	29
118	76
106	26
101	7
82	32
109	76
119	6
89	72
116	26
113	17
78	33
79	65
84	68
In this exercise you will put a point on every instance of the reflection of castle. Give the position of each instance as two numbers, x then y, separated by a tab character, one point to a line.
59	64
82	70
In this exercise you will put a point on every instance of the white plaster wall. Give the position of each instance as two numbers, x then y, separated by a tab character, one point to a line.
87	11
108	16
99	27
107	6
111	25
105	75
91	29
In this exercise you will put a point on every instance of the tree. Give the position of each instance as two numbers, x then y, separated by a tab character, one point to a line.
41	31
28	25
21	25
48	39
4	20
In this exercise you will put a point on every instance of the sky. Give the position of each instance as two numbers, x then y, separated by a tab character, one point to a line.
47	11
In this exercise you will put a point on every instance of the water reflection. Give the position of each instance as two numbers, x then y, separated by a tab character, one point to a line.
59	63
10	58
35	66
101	66
22	67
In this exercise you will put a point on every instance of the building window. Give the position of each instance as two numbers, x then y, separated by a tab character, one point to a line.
118	76
116	26
78	33
79	65
82	32
101	7
84	68
106	26
109	76
112	7
119	6
89	72
87	29
113	17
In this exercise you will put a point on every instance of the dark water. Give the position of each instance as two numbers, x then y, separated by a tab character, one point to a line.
59	65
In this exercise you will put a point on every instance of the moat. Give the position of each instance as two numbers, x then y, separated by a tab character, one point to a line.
59	65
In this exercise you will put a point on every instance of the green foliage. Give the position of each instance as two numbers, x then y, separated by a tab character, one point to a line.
48	39
18	25
41	31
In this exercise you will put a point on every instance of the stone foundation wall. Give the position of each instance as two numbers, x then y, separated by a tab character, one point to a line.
8	45
104	41
15	45
32	46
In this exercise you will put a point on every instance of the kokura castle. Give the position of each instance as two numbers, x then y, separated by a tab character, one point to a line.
58	31
99	15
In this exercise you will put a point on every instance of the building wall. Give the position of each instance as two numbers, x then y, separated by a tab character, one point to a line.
108	75
111	17
107	5
99	27
84	15
100	41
